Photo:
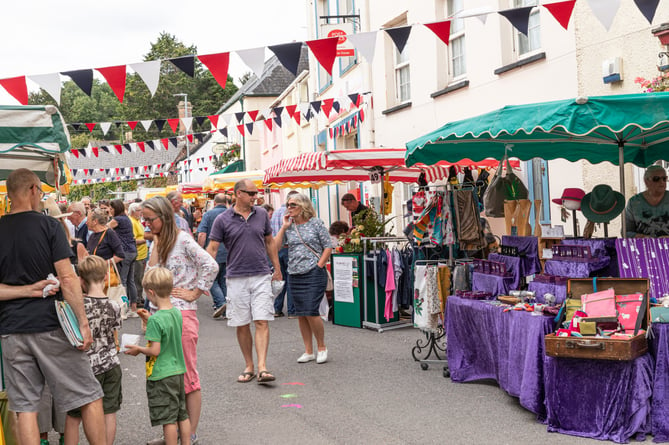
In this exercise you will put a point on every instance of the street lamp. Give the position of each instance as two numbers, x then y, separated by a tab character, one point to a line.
187	171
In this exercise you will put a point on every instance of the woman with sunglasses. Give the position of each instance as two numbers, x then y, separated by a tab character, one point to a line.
309	249
647	213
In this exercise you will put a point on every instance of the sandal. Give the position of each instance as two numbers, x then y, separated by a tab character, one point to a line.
246	377
265	376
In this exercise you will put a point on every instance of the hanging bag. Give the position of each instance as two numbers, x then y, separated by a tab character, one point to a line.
114	277
508	187
117	292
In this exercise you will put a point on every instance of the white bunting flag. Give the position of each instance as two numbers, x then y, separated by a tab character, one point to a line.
365	43
254	58
146	124
149	72
105	126
605	11
50	83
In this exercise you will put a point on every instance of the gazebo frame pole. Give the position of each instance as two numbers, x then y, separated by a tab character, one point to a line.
621	166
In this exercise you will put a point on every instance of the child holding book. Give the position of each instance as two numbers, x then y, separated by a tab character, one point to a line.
165	367
104	318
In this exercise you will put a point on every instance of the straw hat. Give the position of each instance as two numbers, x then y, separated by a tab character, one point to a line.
50	207
602	204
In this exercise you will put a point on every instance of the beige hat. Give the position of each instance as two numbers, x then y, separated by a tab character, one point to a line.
50	207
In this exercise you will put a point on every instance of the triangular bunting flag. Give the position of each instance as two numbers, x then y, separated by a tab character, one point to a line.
240	128
96	151
185	64
173	141
174	123
647	8
442	29
50	83
160	123
249	128
240	117
75	153
90	126
188	123
296	116
288	55
190	137
74	172
277	111
149	72
308	115
277	121
105	126
365	44
254	58
128	147
82	78
165	143
561	11
141	146
316	105
290	109
82	152
224	131
115	77
399	36
214	120
151	145
605	11
218	66
200	120
119	148
336	106
132	124
268	122
16	86
518	17
325	51
105	148
146	124
354	99
252	114
76	126
327	106
362	116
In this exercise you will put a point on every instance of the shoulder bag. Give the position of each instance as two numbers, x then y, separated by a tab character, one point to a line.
114	277
330	285
508	187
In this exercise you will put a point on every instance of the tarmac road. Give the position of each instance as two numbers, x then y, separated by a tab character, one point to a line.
371	391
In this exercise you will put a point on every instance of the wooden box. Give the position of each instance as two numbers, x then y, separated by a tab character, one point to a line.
603	348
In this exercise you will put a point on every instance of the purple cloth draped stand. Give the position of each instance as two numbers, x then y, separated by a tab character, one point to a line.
514	267
486	343
659	348
601	399
529	246
571	269
559	290
494	284
645	258
578	269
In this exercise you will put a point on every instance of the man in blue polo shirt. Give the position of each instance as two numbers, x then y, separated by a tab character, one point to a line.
245	231
218	289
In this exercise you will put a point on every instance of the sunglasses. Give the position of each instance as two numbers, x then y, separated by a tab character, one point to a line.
251	194
291	205
659	178
151	220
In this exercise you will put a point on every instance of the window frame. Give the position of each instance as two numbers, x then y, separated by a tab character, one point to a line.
520	39
400	66
456	34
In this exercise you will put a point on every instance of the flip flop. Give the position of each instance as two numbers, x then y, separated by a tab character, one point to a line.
265	377
247	377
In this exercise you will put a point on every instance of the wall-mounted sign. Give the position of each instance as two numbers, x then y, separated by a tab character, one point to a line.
344	46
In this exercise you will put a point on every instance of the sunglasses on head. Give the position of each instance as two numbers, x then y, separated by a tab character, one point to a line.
659	178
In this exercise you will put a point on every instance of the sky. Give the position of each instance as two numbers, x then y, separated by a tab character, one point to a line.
47	36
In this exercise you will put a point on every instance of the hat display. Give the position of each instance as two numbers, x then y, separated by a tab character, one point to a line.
50	207
602	204
571	194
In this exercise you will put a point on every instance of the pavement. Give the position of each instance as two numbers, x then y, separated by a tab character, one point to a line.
370	391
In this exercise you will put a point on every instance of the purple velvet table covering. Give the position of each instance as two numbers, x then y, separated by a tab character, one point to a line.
513	265
600	399
486	343
495	284
528	245
659	348
645	258
559	290
571	269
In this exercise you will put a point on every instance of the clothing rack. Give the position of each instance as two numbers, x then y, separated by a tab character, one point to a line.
444	188
376	241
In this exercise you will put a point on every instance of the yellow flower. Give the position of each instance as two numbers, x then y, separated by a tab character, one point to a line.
355	240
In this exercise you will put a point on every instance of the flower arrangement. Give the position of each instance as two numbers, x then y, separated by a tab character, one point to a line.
367	223
659	83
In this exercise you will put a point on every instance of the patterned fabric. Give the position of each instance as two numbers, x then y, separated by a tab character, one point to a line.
192	268
104	316
426	299
182	224
301	259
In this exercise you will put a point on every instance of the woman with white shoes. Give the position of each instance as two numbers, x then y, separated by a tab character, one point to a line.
309	249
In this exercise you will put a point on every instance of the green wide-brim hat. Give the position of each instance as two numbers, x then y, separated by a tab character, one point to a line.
602	204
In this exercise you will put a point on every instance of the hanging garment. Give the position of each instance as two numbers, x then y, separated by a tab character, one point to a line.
420	315
397	268
444	279
390	288
405	297
469	228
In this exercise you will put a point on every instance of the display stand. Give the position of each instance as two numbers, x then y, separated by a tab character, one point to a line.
435	345
347	312
373	311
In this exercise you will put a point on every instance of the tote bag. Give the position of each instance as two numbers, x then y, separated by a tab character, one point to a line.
508	187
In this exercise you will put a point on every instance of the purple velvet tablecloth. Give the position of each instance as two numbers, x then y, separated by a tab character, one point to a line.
645	258
539	289
601	399
486	343
571	269
529	246
659	348
495	284
514	267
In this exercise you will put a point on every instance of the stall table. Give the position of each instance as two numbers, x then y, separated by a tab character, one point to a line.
658	346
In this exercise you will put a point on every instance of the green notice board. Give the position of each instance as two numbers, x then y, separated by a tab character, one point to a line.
347	273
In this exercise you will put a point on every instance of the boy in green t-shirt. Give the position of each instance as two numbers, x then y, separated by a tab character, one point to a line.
165	366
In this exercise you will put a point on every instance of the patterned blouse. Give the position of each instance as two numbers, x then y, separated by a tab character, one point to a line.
192	268
104	316
301	259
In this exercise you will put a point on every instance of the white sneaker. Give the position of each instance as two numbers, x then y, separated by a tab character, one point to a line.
322	356
304	358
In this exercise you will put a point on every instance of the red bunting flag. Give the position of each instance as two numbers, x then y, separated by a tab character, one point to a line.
326	106
174	122
165	143
96	151
117	169
290	109
268	122
561	11
214	120
119	148
75	153
115	77
90	126
132	124
252	114
190	138
325	51
241	129
218	66
297	117
141	146
16	86
441	29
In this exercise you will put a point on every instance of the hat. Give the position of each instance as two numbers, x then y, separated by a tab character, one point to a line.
50	207
602	204
572	194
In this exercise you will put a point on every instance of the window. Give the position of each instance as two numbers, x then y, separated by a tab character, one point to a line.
323	8
532	41
456	47
347	7
402	76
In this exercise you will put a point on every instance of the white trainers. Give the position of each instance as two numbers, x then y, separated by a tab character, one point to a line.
304	358
322	356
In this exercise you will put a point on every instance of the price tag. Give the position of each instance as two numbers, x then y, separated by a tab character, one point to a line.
375	177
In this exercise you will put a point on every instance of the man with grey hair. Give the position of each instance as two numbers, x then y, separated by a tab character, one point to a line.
647	213
177	201
218	289
78	219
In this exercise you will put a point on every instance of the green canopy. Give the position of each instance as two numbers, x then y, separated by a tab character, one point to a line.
590	128
33	137
236	166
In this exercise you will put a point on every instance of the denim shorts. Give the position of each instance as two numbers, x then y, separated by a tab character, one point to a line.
307	290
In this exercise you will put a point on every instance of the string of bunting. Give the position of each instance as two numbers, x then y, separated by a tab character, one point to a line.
288	54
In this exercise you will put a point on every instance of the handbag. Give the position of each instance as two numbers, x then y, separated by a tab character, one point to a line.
330	284
117	292
600	304
509	187
114	277
628	307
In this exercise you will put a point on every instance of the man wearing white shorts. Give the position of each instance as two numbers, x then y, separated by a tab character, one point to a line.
246	232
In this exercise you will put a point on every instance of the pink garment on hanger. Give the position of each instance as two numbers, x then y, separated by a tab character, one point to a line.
390	287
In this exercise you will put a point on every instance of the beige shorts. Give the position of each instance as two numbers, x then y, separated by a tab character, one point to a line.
249	299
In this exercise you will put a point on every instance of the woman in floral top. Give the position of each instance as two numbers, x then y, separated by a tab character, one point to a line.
309	249
194	271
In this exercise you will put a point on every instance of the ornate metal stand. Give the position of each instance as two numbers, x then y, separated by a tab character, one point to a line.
434	344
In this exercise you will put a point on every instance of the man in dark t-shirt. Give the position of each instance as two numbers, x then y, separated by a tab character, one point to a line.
34	346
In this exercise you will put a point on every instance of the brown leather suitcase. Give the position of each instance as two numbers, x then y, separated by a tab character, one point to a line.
602	348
